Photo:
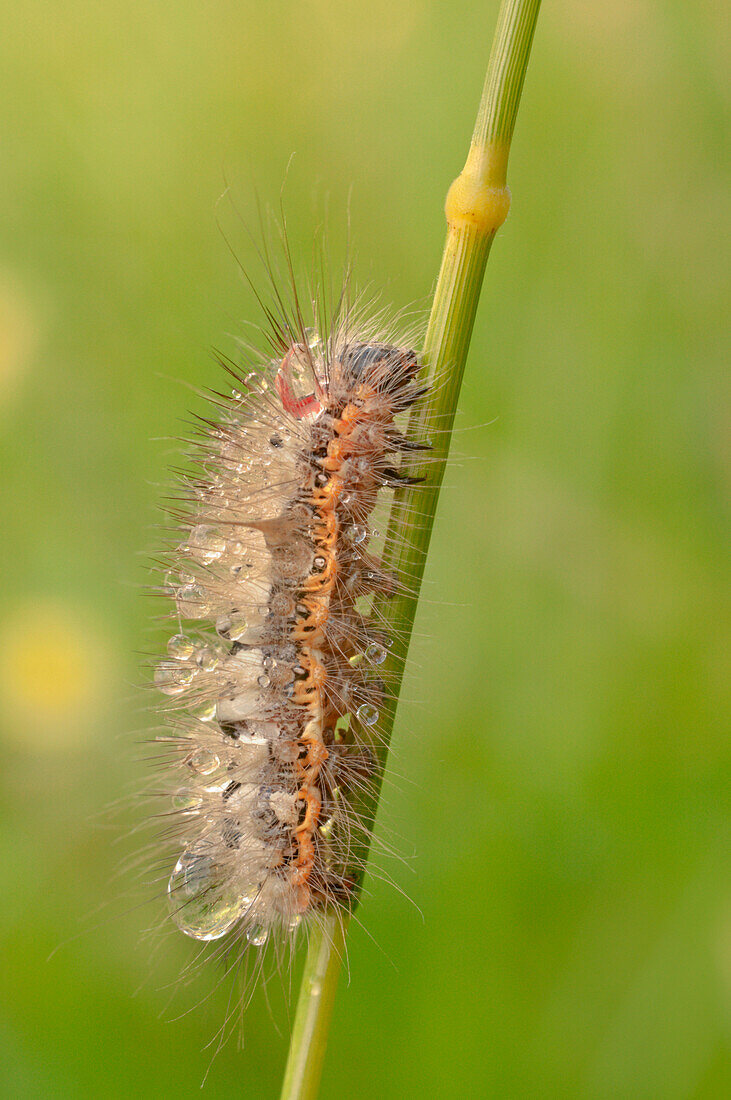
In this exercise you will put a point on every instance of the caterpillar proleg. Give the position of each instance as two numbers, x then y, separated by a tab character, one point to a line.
272	674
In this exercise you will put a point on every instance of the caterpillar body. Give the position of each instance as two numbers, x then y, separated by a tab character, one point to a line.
272	676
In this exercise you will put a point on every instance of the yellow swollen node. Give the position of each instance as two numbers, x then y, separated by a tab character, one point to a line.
479	198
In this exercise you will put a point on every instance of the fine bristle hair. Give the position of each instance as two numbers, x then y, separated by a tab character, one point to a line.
272	674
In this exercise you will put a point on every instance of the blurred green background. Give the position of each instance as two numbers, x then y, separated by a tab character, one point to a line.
560	767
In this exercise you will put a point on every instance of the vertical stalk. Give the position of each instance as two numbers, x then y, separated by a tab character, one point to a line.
314	1008
476	206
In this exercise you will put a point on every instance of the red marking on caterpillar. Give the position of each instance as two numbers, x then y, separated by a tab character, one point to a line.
272	675
305	406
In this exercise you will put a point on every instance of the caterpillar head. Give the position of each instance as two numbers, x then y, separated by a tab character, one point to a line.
378	367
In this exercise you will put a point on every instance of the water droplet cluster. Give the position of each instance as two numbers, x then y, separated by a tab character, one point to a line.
272	677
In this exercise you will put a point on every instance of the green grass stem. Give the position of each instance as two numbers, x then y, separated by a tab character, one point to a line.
476	206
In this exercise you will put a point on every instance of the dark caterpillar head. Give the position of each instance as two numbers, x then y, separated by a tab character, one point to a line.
384	366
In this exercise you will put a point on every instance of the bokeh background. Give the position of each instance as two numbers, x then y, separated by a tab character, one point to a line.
560	768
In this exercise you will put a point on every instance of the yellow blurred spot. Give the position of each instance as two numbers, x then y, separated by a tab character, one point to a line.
52	677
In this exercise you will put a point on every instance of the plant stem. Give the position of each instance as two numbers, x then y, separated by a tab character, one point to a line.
314	1008
477	205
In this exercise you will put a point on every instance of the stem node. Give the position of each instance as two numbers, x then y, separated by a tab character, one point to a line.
479	197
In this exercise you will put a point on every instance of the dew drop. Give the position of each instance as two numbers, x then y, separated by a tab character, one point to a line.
203	762
358	533
232	626
192	602
281	674
314	340
206	544
376	653
186	800
202	906
206	712
168	680
206	658
367	714
180	647
257	935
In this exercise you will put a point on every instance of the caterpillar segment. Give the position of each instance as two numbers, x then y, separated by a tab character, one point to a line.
270	678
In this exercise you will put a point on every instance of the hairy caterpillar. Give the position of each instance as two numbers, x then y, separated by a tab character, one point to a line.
272	675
